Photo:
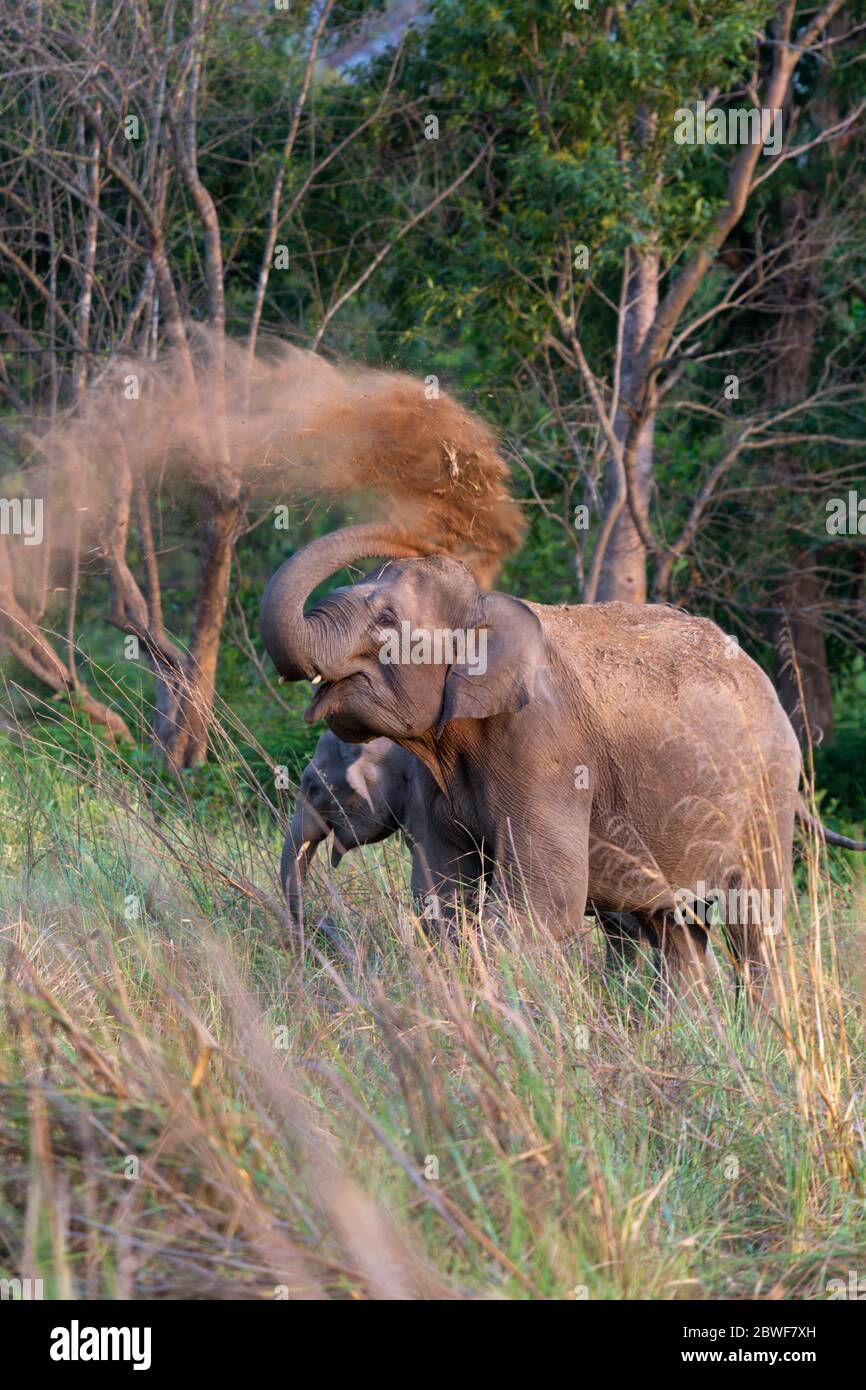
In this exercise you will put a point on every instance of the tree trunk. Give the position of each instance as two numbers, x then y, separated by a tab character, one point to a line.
801	670
802	673
623	571
185	698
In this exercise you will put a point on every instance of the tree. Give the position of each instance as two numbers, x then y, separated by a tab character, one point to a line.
600	254
139	211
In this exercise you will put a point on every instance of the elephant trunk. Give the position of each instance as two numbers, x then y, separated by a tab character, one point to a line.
305	834
290	636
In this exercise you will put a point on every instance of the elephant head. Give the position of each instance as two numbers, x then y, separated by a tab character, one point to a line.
364	645
355	793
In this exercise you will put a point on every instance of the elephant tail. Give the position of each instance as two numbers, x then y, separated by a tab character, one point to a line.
830	837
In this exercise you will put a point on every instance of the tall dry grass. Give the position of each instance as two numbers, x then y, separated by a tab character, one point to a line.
189	1110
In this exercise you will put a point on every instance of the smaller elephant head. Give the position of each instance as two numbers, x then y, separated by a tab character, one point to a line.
355	792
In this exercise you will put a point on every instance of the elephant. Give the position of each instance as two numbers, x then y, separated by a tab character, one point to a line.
628	760
362	793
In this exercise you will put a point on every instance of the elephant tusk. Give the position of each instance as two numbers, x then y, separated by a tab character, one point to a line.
302	851
315	680
281	680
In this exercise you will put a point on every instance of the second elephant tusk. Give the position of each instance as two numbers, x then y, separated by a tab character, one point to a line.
315	680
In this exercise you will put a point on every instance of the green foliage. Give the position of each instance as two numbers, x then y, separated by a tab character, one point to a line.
841	766
559	93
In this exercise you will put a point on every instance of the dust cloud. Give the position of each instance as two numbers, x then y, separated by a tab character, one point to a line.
287	427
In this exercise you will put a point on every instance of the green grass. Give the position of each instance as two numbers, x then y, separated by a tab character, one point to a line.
188	1109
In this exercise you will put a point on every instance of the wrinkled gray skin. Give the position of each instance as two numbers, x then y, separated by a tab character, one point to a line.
608	756
361	794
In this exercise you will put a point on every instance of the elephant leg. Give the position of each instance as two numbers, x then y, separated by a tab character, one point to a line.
436	906
542	875
714	970
624	932
754	917
622	937
753	959
681	955
444	880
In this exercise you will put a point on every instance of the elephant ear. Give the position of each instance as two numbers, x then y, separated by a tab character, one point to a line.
505	677
357	776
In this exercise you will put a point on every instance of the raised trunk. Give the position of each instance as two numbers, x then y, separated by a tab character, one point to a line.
289	636
622	575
